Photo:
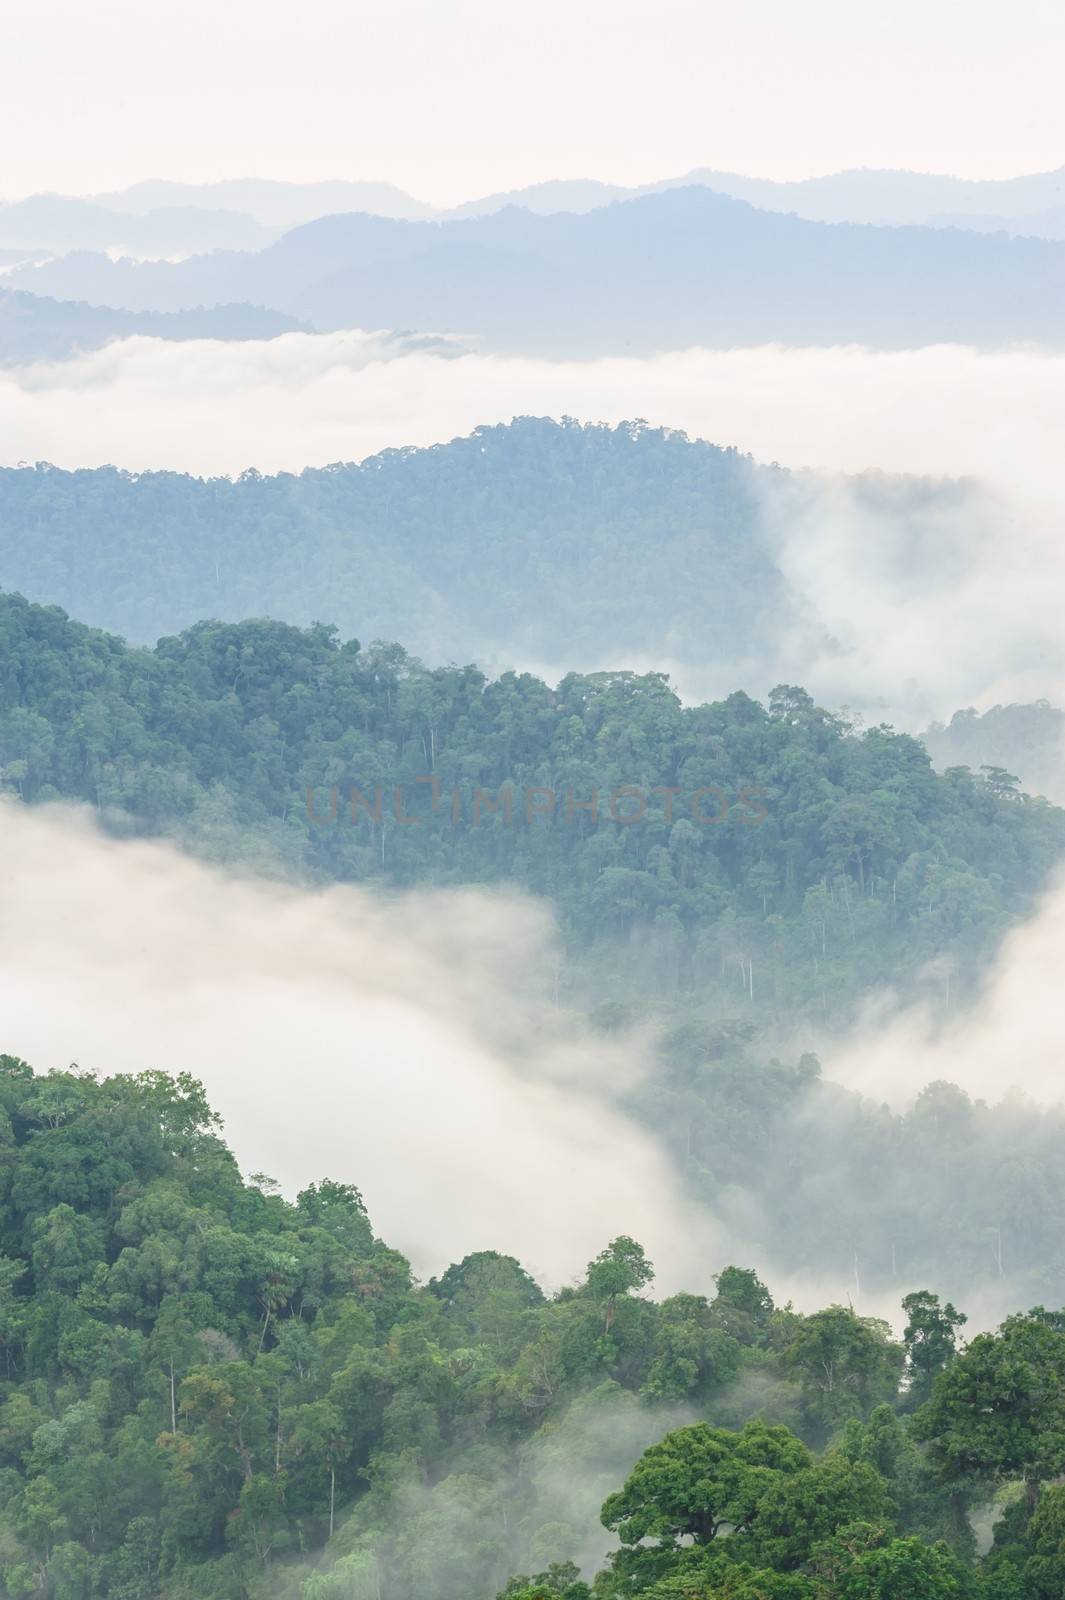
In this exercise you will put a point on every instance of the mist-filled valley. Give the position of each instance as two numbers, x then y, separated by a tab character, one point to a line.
532	801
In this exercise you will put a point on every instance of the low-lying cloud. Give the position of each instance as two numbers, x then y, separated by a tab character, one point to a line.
1010	1040
408	1044
302	400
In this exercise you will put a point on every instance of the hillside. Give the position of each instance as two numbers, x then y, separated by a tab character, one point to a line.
212	1390
780	865
534	542
33	328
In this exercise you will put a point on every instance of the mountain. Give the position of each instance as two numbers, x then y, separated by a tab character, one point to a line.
558	545
60	223
532	542
873	195
884	197
684	267
273	204
556	194
1049	224
34	328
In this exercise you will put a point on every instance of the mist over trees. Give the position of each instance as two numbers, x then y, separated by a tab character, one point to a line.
212	1391
532	542
1024	744
249	725
771	861
539	539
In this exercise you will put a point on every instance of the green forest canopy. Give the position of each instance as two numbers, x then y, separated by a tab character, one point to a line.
543	541
209	1392
785	862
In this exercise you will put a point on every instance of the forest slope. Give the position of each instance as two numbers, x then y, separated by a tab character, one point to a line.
772	860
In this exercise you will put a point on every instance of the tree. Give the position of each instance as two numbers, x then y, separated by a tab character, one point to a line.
743	1302
617	1271
700	1479
929	1341
862	1562
999	1410
798	1510
1044	1566
846	1365
562	1581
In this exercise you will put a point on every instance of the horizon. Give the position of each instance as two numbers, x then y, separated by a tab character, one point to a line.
376	180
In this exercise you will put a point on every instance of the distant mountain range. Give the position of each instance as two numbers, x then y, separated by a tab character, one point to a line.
669	270
860	195
59	223
1048	224
163	219
885	197
272	203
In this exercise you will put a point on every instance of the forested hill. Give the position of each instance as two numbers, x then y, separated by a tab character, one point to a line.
33	328
770	860
209	1392
542	540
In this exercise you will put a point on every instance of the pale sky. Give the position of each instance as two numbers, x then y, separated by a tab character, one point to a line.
460	97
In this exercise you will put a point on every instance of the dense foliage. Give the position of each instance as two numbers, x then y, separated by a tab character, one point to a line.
539	541
781	862
209	1391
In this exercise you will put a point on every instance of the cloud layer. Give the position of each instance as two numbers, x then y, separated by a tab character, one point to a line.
303	400
409	1045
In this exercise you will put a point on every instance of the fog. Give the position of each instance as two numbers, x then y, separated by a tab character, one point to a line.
1011	1039
413	1045
920	606
410	1045
305	399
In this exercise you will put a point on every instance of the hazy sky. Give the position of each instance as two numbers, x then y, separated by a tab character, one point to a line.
451	98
